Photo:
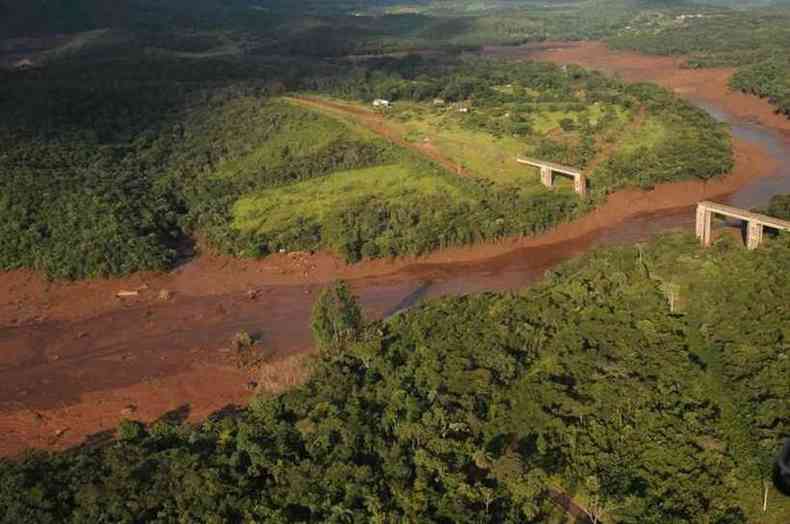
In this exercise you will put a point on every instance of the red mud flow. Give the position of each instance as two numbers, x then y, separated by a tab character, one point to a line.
709	85
75	359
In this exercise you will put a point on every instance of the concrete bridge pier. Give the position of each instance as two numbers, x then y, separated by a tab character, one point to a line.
546	177
548	169
755	222
580	185
704	216
754	234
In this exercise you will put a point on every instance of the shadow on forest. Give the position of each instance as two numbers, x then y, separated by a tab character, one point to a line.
231	410
410	300
176	416
781	484
781	475
98	439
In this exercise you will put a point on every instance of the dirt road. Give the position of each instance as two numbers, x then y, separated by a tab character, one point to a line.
377	123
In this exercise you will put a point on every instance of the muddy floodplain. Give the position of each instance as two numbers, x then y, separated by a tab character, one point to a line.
76	358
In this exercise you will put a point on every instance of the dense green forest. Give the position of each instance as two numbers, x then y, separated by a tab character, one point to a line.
768	79
757	41
515	100
779	207
113	162
358	23
648	382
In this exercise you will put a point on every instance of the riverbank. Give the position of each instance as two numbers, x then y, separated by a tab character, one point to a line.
76	358
709	85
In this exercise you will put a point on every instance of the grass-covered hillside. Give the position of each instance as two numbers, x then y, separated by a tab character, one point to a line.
482	114
112	163
649	383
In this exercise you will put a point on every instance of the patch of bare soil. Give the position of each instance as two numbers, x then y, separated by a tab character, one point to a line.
75	358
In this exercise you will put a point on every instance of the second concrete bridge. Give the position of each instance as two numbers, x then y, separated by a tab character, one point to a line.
755	222
547	170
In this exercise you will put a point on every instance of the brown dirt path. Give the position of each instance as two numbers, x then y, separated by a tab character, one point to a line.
377	123
73	356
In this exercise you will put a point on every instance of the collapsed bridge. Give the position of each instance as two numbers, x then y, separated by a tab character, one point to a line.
755	222
547	170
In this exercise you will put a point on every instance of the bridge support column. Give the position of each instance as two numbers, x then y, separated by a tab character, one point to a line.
546	177
580	185
754	234
703	225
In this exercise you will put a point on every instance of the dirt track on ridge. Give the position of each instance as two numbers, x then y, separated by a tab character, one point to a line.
73	356
377	123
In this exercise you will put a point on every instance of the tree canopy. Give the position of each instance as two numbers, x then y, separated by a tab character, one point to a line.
648	382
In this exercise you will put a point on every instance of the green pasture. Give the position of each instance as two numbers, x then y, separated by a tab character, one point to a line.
650	134
311	201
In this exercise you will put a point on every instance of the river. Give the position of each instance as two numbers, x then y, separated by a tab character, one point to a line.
523	266
74	357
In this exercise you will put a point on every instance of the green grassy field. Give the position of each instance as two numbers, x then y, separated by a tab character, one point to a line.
480	154
279	209
649	134
491	157
294	139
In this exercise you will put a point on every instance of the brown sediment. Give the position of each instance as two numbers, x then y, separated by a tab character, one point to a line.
710	85
73	356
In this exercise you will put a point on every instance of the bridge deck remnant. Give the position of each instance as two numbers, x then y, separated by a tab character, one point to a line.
547	170
755	222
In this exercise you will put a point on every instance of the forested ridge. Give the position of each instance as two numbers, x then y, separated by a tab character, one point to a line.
753	37
648	382
756	41
113	162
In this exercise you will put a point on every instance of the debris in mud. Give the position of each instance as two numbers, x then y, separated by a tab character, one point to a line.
247	353
251	385
129	410
125	294
60	432
165	295
242	340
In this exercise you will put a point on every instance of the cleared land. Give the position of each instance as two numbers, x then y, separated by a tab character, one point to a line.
278	210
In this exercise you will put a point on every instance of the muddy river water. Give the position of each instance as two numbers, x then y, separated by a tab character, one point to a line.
522	266
74	360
